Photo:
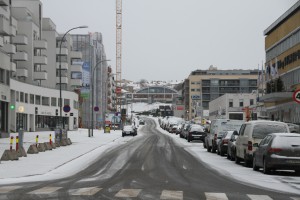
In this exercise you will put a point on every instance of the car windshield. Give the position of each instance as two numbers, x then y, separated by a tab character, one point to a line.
263	129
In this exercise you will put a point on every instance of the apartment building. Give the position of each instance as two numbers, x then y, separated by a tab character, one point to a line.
282	46
203	86
39	65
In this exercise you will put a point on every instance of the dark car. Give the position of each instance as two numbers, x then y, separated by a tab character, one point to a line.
278	151
129	130
223	143
195	132
231	146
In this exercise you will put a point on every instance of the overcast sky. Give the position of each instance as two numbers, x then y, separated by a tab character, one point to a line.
167	39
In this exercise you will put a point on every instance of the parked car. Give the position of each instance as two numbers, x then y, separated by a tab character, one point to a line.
219	125
142	122
278	151
223	143
128	130
195	132
294	128
231	148
184	130
179	129
251	133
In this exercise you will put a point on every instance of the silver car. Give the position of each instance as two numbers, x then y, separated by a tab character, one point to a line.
278	151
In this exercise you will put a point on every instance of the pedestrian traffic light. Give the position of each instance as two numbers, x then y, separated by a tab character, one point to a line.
12	107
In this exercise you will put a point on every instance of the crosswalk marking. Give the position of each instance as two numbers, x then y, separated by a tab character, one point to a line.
45	190
7	189
295	198
259	197
128	193
215	196
85	191
170	194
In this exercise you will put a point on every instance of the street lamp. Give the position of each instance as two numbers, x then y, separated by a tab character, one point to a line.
92	85
60	92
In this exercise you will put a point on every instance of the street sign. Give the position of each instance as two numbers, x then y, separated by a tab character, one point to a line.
296	96
96	108
67	108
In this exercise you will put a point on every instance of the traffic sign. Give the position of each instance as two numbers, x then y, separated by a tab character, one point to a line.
96	108
296	96
67	108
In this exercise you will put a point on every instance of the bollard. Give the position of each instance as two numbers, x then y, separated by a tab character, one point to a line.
11	142
37	140
50	139
17	143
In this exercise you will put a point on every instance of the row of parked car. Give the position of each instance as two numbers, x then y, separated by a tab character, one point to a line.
269	145
260	144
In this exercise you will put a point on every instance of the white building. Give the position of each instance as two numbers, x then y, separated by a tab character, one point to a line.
231	106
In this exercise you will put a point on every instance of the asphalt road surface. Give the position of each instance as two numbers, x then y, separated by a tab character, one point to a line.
150	166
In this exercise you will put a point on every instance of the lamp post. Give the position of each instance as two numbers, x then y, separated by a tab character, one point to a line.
92	85
60	92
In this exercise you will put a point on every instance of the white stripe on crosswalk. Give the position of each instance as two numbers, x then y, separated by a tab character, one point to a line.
128	193
7	189
295	198
215	196
85	191
170	194
259	197
45	190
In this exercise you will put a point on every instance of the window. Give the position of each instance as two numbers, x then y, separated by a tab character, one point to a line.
230	103
251	102
17	96
26	98
241	103
193	90
38	100
66	102
45	101
53	101
21	96
31	98
2	75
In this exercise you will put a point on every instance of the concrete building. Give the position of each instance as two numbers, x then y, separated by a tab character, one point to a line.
232	106
93	63
203	86
282	46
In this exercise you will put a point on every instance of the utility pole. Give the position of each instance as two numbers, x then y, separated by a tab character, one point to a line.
118	53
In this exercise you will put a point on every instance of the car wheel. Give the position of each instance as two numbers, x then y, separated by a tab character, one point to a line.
122	135
255	168
266	170
222	153
237	159
189	139
208	148
204	145
247	162
213	149
228	157
297	172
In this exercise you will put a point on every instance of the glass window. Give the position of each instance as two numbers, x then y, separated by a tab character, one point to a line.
45	101
66	101
26	98
2	75
230	103
37	99
53	101
31	98
21	96
17	96
251	102
241	103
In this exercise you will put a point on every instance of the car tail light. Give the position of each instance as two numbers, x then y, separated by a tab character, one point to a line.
249	146
225	141
215	136
274	150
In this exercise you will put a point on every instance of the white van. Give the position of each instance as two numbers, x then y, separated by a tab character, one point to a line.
250	135
217	127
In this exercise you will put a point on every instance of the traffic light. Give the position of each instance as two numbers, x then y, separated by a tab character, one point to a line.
12	107
56	112
36	110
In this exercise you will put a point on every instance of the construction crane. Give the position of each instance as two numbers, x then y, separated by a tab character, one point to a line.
118	53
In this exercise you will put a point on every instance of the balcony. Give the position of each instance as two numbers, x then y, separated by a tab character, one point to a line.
4	26
64	51
13	67
13	27
64	80
64	65
9	48
23	72
76	82
1	42
20	40
42	75
40	60
76	55
20	56
76	68
4	2
40	44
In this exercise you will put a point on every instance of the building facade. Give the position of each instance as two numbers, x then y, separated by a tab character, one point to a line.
282	77
203	86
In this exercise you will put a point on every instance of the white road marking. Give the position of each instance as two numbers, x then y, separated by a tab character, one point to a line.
295	198
45	190
85	191
215	196
184	167
7	189
259	197
169	194
128	193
